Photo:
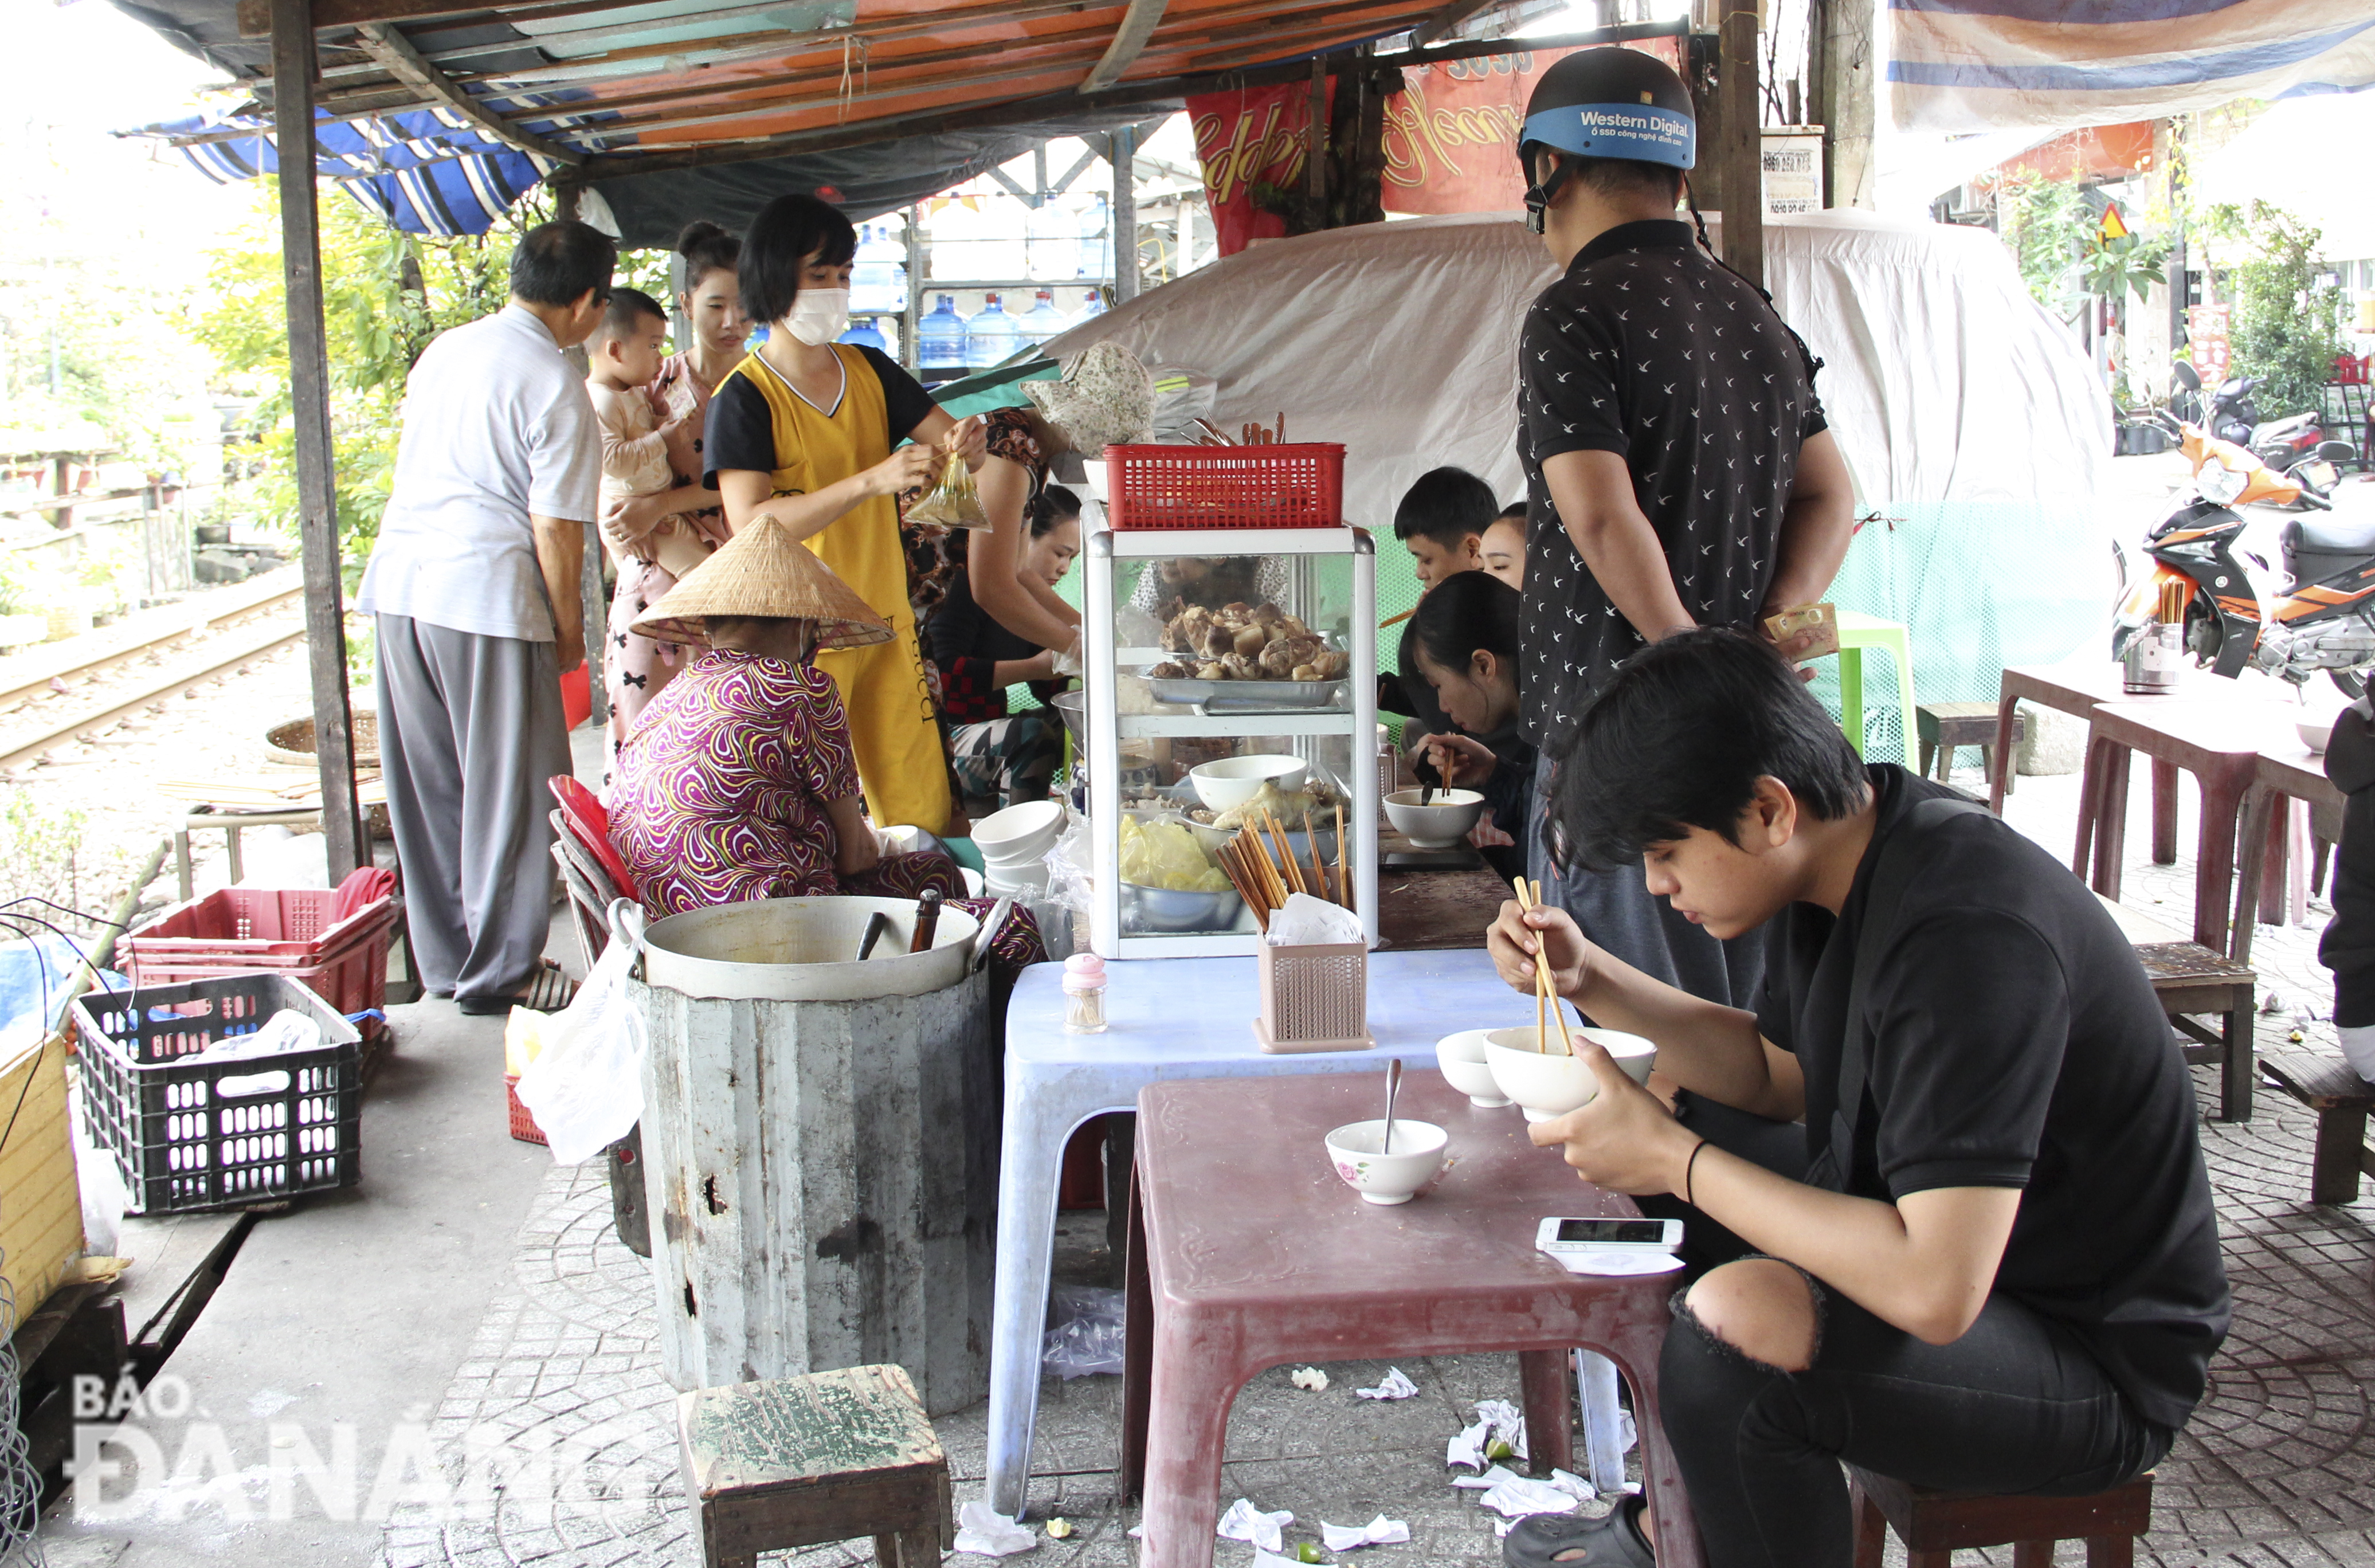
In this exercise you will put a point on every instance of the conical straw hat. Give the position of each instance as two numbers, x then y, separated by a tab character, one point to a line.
762	570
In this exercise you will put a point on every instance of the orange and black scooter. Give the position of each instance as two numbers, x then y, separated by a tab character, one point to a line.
2322	615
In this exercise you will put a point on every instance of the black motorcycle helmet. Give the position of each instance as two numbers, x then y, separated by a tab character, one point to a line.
1606	103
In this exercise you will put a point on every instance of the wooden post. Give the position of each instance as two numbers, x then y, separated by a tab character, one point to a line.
911	352
1122	153
1740	148
293	74
1315	152
1842	100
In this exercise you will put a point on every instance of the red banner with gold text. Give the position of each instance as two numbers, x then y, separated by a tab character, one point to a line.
1450	140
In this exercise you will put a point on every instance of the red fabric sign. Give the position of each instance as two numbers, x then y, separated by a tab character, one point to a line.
1450	144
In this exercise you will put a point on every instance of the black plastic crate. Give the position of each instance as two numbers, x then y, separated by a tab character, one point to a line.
190	1135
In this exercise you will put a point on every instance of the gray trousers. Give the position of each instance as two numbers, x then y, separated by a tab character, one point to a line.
1618	913
469	729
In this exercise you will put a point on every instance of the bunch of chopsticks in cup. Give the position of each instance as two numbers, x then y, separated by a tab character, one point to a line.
1529	897
1264	883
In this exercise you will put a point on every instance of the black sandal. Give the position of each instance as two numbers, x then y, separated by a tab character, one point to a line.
1569	1540
547	992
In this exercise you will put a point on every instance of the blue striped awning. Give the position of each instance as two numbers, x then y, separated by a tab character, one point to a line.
427	171
1961	65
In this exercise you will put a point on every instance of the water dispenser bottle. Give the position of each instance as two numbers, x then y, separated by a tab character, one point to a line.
877	280
1043	321
990	336
941	342
867	335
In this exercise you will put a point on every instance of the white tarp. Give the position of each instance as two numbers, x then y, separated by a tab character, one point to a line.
1944	382
2266	162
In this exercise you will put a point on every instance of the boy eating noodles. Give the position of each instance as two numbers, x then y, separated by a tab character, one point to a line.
1987	1261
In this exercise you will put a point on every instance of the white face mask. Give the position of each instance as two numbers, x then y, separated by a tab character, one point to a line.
818	315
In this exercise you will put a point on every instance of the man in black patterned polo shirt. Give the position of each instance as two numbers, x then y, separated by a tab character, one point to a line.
1677	466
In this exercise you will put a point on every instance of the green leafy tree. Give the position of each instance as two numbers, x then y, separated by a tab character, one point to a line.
2048	226
384	296
2287	327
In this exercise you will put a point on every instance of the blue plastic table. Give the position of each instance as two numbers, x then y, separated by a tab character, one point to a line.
1167	1018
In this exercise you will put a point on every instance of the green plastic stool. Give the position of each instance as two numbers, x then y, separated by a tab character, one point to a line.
1858	633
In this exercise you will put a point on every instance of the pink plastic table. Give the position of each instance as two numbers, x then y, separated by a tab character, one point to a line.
1247	1252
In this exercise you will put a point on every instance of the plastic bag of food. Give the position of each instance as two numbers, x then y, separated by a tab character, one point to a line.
954	503
1087	1338
1166	855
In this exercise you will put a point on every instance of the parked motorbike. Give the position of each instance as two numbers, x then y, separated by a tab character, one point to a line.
2319	615
2295	446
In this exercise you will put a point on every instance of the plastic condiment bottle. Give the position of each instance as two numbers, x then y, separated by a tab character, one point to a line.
1084	994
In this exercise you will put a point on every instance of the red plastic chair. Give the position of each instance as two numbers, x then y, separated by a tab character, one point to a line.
582	814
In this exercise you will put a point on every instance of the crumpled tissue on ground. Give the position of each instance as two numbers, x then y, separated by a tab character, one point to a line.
1309	1377
1379	1531
1393	1386
1486	1481
981	1528
1520	1495
1497	1421
1245	1522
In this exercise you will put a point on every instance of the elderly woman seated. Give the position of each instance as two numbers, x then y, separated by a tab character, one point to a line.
737	782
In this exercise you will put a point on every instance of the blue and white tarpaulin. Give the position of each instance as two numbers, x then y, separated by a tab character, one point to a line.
1962	66
429	171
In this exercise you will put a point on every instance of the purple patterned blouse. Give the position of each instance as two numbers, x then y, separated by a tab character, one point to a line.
722	785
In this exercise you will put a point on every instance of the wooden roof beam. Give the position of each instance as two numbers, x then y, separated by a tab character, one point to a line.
391	49
1448	17
1137	25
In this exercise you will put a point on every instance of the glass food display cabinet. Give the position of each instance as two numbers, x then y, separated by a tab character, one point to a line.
1230	680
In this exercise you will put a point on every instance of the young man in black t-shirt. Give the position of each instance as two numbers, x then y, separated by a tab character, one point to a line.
1441	520
1678	469
1996	1265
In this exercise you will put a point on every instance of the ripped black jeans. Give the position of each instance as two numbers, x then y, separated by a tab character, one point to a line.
2015	1405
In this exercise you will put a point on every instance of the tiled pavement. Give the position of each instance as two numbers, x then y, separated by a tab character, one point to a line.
2278	1467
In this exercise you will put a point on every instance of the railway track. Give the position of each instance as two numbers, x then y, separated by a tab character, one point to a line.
226	630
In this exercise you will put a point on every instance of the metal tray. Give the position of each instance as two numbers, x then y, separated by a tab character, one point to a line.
1210	697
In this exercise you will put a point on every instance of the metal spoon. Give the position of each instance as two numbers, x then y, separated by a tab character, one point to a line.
1429	779
1393	1087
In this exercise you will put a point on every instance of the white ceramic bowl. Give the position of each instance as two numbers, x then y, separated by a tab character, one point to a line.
1230	781
1019	834
1439	825
1461	1057
2313	733
1548	1084
1387	1178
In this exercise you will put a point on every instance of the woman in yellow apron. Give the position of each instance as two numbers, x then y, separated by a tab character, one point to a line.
803	429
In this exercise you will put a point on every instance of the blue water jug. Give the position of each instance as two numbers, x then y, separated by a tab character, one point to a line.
1042	320
866	333
940	341
990	336
877	279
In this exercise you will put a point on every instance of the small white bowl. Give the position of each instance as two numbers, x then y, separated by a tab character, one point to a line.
1019	833
1549	1084
1230	781
2314	735
1387	1178
1461	1057
1441	824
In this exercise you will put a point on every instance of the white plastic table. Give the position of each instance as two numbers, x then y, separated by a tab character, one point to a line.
1181	1019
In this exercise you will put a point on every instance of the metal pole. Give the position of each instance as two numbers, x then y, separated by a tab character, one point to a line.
1314	151
309	387
1122	153
911	353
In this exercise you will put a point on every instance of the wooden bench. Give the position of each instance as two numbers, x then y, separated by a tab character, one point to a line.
1947	727
2340	1099
2191	982
1934	1525
801	1461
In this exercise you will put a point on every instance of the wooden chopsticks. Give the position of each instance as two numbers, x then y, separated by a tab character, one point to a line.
1261	865
1529	897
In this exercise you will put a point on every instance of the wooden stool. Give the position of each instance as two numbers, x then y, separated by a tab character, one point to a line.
2190	982
1947	727
801	1461
1932	1524
2340	1099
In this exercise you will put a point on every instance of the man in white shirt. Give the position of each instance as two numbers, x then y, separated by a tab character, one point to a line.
475	585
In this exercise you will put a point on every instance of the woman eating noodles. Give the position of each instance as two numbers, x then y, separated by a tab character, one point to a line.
804	429
737	783
1001	757
1463	640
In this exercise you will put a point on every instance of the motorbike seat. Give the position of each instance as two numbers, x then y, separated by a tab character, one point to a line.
2330	535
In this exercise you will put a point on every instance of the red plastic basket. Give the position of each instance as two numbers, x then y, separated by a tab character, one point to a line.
1299	486
523	1126
289	932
